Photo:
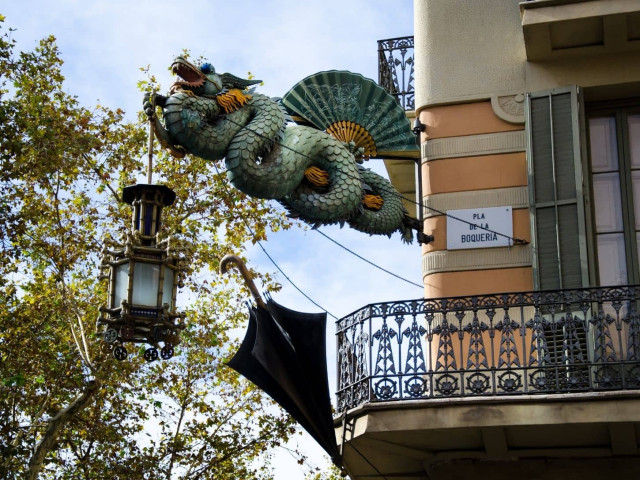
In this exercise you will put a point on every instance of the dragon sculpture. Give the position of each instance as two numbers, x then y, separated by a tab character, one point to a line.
314	175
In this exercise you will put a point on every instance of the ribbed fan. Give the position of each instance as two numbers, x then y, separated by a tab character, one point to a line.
352	107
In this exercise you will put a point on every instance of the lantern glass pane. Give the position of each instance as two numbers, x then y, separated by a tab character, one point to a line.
167	287
121	284
146	278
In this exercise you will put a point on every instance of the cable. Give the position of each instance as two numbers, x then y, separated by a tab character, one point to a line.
351	252
367	460
294	285
517	241
368	261
250	230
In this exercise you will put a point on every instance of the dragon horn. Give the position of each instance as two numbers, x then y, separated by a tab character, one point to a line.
224	266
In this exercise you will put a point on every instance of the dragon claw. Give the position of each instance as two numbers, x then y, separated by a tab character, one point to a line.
150	101
148	104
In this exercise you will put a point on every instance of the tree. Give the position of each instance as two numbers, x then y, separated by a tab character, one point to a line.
68	409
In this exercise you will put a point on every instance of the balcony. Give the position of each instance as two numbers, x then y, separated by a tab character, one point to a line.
395	69
395	75
512	344
551	374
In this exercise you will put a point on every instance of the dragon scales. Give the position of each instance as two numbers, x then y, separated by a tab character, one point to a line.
314	175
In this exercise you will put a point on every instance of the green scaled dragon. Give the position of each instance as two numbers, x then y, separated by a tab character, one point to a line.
313	174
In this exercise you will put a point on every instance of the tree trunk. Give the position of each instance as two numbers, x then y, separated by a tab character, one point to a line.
56	424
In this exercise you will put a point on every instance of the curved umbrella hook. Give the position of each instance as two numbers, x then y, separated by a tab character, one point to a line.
224	266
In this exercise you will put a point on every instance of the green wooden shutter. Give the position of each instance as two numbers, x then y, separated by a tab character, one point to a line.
555	190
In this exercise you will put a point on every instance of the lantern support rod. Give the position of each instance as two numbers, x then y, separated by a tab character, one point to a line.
150	146
224	266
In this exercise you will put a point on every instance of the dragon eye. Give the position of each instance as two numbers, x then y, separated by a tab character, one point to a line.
207	68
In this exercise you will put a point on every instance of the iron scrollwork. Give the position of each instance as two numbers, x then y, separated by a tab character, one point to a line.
396	68
526	343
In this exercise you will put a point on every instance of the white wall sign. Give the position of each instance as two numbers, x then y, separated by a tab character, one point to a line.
482	230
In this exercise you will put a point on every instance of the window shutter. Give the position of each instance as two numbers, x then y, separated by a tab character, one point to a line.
555	190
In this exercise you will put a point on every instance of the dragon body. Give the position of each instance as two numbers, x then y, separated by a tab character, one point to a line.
213	117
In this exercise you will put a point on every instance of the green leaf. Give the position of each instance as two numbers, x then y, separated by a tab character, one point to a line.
17	380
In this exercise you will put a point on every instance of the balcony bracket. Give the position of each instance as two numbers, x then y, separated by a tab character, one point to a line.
347	426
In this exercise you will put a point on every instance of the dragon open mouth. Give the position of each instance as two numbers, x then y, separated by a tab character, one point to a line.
190	75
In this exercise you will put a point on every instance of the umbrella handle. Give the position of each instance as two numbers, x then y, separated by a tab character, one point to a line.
224	266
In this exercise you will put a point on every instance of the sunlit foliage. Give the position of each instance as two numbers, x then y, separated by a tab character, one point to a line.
68	409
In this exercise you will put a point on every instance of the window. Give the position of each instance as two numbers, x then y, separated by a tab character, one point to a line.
584	189
614	140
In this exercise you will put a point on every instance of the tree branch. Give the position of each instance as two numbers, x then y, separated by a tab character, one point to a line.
174	448
23	432
97	172
218	460
55	426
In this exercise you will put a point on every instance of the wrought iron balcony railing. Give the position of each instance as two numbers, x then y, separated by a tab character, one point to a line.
395	69
551	342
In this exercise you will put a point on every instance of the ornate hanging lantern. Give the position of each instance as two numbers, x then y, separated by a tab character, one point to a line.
144	273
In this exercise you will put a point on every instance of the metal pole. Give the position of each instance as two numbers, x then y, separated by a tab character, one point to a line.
150	154
150	146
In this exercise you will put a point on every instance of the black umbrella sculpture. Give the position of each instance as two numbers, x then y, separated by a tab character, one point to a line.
284	354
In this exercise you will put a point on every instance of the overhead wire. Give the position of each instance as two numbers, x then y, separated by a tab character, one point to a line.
368	261
250	230
264	250
367	460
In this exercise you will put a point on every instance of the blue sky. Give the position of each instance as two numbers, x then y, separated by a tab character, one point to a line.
105	43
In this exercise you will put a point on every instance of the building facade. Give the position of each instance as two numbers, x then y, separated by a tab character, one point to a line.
530	165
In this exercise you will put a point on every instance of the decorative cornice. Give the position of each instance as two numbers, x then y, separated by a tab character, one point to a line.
509	108
474	145
516	197
476	259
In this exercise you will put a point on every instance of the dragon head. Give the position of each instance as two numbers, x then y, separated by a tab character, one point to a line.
201	80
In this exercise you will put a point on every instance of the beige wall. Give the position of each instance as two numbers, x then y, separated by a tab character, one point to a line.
466	53
475	173
467	50
478	282
464	119
466	178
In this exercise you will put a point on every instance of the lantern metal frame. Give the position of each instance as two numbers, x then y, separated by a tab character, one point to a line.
127	319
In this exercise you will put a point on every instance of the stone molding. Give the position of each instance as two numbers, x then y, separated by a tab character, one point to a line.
476	259
474	145
516	197
509	108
